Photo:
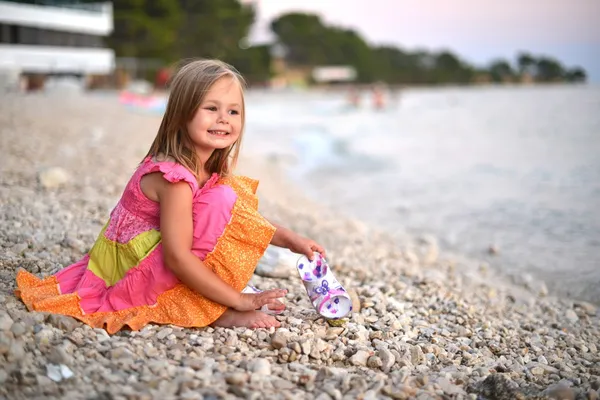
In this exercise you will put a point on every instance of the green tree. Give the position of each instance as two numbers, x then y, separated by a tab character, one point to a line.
448	68
500	70
145	28
526	63
548	70
346	47
213	28
254	63
303	36
576	74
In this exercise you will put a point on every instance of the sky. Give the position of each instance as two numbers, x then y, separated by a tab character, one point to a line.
477	30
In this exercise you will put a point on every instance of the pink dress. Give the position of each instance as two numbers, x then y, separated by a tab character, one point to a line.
123	279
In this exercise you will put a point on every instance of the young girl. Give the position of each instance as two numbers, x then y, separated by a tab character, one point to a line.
185	237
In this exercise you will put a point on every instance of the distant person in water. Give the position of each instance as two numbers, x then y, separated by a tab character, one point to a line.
354	98
378	98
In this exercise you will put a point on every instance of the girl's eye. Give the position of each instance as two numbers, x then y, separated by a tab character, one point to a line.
211	108
234	112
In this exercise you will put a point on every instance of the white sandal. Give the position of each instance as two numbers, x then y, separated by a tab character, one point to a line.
326	294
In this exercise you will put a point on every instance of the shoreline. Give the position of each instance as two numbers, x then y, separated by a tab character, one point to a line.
429	324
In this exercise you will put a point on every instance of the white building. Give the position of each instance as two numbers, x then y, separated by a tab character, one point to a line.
55	37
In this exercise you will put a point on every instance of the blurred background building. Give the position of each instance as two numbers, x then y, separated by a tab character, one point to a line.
41	38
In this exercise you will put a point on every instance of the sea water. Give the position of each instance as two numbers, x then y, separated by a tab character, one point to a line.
515	168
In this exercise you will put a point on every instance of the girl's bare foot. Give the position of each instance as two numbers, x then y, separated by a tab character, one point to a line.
250	319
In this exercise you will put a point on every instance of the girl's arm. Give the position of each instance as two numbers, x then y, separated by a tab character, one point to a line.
282	236
176	228
288	239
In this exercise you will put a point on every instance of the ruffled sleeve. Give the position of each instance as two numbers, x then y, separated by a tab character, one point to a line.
174	172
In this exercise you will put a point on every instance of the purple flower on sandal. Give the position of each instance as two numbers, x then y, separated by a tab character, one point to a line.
323	289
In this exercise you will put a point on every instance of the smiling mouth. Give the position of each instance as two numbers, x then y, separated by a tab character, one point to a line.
219	133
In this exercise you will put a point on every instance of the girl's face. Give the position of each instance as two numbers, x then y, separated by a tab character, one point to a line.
218	120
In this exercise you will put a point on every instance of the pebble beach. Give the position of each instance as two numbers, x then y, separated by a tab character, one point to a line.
425	326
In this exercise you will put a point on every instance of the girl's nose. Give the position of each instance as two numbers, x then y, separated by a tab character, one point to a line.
223	119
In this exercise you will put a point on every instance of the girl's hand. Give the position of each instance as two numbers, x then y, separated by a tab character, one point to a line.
302	245
254	301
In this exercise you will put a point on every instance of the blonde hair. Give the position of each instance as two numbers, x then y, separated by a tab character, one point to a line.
188	88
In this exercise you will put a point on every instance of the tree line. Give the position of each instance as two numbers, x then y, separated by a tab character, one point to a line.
168	30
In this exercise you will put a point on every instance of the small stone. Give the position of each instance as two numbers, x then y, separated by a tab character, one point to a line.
19	248
281	384
18	329
260	366
422	380
44	338
151	351
305	346
333	333
43	381
74	243
571	316
53	372
237	378
163	333
387	359
280	338
560	391
58	355
16	351
416	355
360	358
499	383
374	362
66	372
6	321
101	335
401	392
537	371
67	324
588	308
120	352
248	333
232	341
5	342
295	346
53	177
